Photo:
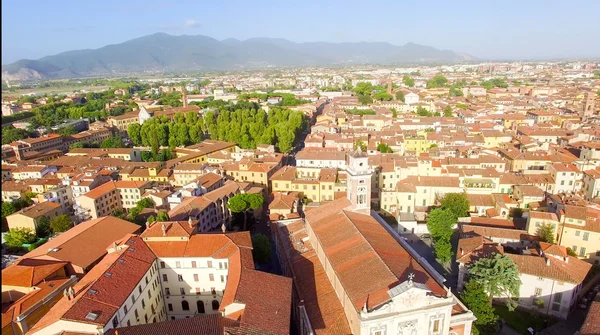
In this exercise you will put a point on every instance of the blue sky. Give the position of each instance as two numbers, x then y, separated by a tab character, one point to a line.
495	29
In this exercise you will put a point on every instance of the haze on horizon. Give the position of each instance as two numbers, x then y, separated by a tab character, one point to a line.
507	30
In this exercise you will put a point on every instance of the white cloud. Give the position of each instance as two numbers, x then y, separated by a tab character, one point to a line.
191	24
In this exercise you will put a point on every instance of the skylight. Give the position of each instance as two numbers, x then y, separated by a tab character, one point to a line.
91	316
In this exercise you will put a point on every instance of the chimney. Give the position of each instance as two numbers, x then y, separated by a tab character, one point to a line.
164	229
547	261
147	224
223	228
190	223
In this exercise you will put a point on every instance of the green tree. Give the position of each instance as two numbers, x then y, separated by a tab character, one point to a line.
365	99
546	233
383	96
133	131
8	208
384	148
77	145
243	203
571	253
67	131
456	203
360	144
499	277
597	74
261	248
422	111
408	81
400	96
448	111
113	142
61	223
437	81
16	237
151	219
43	229
11	134
475	298
439	224
145	203
162	215
394	112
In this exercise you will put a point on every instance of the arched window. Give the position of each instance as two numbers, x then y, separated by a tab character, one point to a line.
200	305
215	305
185	306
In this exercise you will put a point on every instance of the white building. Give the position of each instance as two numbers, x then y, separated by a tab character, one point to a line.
411	98
551	280
321	159
122	290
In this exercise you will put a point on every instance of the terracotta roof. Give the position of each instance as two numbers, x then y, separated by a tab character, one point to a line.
85	243
104	294
100	190
171	229
37	210
311	282
591	325
29	272
209	324
496	232
367	260
572	271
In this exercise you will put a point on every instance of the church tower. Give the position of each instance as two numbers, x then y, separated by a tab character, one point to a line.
588	107
184	96
359	181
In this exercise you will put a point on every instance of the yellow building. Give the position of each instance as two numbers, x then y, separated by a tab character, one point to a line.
312	183
30	217
416	142
198	153
29	289
101	201
154	172
123	121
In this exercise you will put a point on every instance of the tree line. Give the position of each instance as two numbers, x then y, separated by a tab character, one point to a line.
245	126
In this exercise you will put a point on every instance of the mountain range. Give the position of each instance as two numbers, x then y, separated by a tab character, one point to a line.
162	52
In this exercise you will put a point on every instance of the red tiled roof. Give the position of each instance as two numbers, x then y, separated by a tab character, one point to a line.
29	272
367	260
591	325
85	243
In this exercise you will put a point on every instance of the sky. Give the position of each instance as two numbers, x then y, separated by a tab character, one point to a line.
502	29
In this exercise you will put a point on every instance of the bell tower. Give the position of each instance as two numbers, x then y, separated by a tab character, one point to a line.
588	107
359	181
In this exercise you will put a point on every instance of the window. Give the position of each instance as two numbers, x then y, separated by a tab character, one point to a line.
541	278
133	299
193	264
213	291
115	322
140	288
185	306
586	236
181	291
170	307
168	291
409	197
200	306
137	316
222	279
211	277
574	248
209	264
195	277
225	265
436	326
556	301
198	292
215	305
143	304
582	252
538	292
165	278
125	309
180	277
177	264
577	233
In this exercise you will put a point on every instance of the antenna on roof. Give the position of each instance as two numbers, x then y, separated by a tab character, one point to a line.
410	277
223	228
164	229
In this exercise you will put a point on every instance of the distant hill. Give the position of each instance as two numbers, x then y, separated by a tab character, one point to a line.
163	52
